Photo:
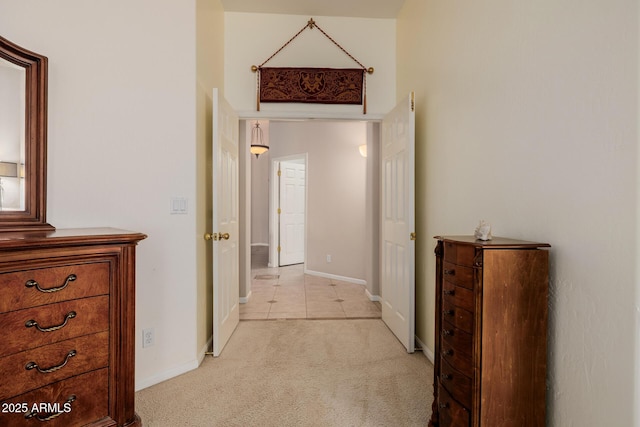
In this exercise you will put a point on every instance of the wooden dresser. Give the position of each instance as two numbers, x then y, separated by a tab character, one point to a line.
67	313
491	333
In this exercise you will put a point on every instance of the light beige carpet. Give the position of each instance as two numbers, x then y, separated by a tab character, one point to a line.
298	373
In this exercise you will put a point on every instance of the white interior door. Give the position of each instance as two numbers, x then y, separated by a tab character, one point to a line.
398	222
226	285
292	211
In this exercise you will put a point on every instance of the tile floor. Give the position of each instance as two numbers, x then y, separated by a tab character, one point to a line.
288	293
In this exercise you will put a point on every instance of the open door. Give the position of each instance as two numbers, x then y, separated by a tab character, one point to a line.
226	284
398	222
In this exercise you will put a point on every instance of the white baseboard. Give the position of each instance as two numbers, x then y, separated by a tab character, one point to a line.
375	298
335	277
166	375
244	300
175	371
428	353
204	350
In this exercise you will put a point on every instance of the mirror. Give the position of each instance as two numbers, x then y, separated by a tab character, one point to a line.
12	132
23	139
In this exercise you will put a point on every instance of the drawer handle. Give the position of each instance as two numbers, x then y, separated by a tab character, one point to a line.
450	272
449	292
447	376
448	332
447	353
34	365
32	283
448	312
31	323
47	416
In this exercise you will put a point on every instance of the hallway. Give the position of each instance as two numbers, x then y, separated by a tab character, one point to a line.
288	293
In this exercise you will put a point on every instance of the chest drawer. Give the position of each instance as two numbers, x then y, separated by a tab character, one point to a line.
30	288
458	296
34	327
459	254
458	274
457	384
457	339
460	360
81	400
451	413
457	316
35	368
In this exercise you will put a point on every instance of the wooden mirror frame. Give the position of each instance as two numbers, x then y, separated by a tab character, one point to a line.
33	217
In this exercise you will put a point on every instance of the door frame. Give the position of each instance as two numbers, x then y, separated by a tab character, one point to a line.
374	123
274	201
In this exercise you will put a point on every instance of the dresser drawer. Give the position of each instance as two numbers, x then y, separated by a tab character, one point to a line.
458	385
30	288
53	362
458	317
85	399
459	253
458	296
458	274
457	339
451	413
457	359
34	327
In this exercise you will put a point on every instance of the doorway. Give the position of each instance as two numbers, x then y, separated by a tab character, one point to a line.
397	133
288	215
340	201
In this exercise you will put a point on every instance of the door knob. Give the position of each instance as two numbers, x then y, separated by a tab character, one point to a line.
216	236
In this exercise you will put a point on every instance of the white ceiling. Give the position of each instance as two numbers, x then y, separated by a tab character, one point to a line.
348	8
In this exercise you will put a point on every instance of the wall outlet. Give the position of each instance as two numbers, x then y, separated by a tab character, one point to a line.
328	258
148	337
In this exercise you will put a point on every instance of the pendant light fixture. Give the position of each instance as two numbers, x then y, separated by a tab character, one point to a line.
257	141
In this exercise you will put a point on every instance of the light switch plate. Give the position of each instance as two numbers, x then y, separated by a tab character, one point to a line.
179	206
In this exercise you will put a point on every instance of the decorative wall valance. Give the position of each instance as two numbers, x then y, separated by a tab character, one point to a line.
312	85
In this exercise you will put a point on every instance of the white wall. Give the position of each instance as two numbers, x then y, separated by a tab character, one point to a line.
122	143
259	187
252	38
527	118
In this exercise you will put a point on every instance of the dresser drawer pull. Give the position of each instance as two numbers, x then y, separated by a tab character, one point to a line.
34	365
448	332
449	292
447	353
32	323
447	377
448	312
47	416
32	283
450	272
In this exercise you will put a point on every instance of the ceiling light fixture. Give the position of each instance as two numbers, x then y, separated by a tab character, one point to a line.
257	141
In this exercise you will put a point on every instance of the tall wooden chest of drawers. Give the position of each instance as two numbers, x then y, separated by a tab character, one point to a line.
67	313
491	333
